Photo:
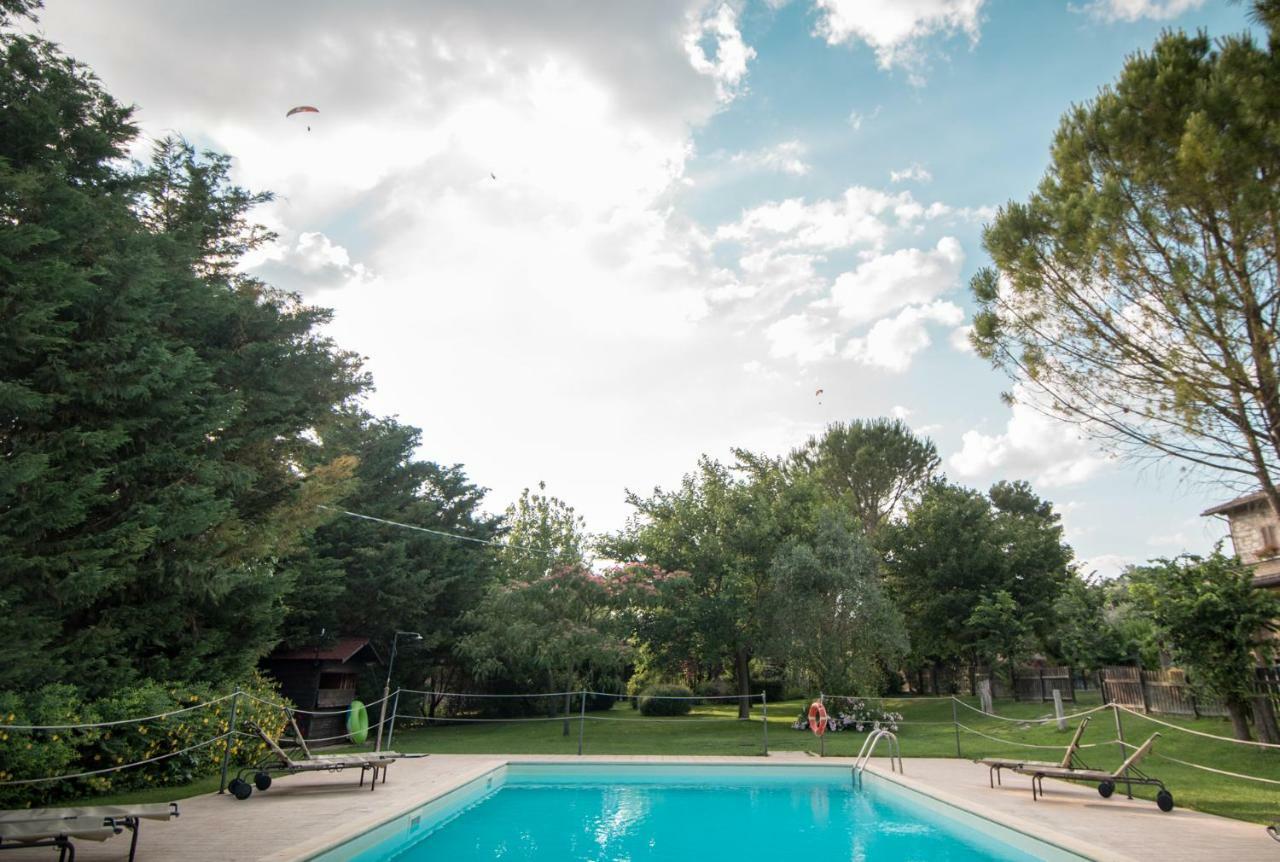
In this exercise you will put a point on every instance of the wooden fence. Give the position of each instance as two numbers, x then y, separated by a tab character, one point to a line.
1163	691
1039	683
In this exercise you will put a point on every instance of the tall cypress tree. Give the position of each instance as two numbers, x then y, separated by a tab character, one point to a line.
155	405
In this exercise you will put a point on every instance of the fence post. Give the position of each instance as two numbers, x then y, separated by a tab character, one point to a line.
822	737
955	721
764	708
226	751
395	708
1124	752
1040	671
1071	683
1142	686
582	720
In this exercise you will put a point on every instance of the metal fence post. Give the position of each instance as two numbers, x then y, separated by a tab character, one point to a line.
822	737
955	721
226	751
764	708
582	720
1124	751
395	708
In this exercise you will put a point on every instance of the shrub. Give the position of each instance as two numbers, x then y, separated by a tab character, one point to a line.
851	713
657	700
774	688
717	688
47	753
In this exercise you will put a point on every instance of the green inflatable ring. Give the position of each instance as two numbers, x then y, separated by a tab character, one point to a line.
358	722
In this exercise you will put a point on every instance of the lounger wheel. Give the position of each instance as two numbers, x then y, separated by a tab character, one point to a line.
261	780
1164	799
1106	788
240	788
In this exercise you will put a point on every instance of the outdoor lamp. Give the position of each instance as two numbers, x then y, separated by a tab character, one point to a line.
386	688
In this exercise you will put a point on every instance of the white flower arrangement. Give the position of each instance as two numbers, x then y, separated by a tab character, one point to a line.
852	713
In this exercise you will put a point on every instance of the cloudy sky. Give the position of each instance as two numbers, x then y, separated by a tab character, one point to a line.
586	242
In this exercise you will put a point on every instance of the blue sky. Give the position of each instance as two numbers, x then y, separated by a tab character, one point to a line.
703	212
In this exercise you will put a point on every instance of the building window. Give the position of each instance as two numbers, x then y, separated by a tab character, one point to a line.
1270	547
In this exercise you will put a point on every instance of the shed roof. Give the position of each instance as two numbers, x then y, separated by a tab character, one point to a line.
343	650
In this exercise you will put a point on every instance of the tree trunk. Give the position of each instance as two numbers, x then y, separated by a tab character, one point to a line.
568	705
1239	712
742	670
973	675
1264	720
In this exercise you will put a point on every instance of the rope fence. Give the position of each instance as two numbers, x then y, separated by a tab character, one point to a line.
117	723
1063	717
120	767
577	712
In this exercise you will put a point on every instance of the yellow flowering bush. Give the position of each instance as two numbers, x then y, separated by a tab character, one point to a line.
48	753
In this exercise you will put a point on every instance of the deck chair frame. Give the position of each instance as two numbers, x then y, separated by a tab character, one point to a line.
115	822
1069	759
283	764
1128	772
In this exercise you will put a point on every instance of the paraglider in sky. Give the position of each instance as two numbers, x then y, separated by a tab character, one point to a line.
302	109
818	395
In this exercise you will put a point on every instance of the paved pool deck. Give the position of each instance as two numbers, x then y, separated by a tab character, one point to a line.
306	813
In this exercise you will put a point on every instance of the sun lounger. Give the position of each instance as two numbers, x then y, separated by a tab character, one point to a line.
57	827
280	761
1069	760
1106	781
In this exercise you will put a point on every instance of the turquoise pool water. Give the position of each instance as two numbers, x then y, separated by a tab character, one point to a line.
628	813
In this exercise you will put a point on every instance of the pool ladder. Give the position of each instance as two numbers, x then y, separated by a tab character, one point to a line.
869	748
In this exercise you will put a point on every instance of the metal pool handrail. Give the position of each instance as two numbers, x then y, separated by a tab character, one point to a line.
869	747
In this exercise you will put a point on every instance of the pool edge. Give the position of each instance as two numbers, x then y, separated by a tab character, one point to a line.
351	830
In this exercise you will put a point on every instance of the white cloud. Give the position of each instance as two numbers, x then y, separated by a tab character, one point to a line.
897	411
897	29
861	216
786	157
1049	451
1106	565
907	276
959	338
915	172
1134	10
310	264
800	337
893	342
727	64
856	118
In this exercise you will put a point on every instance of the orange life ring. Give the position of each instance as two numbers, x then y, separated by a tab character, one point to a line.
817	718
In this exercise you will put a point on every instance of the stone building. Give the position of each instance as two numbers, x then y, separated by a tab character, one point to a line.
1255	534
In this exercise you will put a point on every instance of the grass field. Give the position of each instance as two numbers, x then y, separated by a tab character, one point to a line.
927	730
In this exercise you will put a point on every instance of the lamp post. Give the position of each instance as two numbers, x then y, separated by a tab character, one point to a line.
386	688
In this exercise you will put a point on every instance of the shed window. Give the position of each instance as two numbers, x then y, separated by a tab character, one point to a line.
1268	535
337	680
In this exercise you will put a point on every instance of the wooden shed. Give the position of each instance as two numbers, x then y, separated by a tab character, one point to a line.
322	678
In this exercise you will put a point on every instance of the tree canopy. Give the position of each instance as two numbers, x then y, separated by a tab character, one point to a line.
156	399
872	467
1137	291
1214	621
958	550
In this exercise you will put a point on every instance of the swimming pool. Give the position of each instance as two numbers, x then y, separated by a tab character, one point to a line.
606	812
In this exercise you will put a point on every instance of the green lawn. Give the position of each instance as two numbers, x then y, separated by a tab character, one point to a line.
927	731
